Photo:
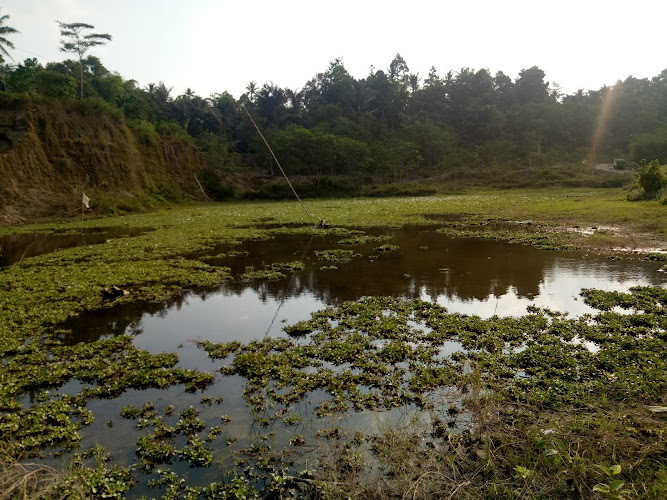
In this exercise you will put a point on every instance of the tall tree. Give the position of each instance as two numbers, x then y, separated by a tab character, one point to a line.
531	87
398	68
76	42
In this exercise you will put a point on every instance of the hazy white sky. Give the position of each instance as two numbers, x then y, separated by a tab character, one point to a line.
217	45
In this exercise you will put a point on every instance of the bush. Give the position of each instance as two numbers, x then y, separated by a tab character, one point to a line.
144	131
215	186
652	178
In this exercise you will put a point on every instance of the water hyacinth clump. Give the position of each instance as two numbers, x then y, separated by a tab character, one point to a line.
337	256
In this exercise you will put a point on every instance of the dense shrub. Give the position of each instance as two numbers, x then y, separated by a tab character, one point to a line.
652	178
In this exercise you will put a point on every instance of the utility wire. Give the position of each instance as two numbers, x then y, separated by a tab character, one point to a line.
33	53
278	163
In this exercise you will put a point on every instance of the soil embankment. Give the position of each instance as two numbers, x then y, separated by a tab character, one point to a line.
51	153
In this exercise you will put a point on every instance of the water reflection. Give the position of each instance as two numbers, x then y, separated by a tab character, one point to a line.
16	247
469	276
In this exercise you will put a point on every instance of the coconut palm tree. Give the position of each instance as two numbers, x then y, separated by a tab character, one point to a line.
5	30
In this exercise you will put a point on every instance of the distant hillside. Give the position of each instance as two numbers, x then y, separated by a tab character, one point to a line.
52	152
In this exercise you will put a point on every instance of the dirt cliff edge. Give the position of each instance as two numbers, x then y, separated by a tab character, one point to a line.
52	152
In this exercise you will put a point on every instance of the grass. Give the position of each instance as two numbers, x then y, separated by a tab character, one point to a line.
489	441
27	480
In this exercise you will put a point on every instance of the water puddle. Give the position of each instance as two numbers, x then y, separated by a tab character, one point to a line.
16	247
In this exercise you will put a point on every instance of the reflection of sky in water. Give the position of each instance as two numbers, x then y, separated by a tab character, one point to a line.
559	289
221	318
474	277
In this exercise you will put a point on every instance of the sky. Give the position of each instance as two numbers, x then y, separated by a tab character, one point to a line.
212	46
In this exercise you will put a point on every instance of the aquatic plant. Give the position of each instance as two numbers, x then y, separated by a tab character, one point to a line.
337	256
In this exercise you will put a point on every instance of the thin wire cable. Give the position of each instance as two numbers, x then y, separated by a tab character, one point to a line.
33	53
278	163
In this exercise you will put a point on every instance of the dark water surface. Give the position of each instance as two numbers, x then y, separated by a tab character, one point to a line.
16	247
470	276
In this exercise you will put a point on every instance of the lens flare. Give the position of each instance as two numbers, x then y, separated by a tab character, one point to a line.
608	102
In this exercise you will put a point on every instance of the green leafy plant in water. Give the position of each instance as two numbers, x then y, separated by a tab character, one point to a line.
337	255
154	451
386	248
100	481
197	453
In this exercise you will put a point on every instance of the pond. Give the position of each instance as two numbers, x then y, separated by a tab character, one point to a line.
467	276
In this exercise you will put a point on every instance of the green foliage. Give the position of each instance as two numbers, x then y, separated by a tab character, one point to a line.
343	134
317	152
174	130
652	146
215	186
145	132
320	187
651	179
56	85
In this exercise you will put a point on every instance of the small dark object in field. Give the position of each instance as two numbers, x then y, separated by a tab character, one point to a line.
322	225
113	293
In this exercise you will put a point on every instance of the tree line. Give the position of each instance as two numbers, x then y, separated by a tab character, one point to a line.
389	126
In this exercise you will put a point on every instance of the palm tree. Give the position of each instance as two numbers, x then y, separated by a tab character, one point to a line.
6	30
252	90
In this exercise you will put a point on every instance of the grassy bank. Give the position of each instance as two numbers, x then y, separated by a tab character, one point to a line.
516	421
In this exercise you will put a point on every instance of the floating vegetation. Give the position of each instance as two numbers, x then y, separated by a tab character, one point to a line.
386	248
357	240
546	240
287	266
363	239
337	255
380	353
233	253
272	272
393	353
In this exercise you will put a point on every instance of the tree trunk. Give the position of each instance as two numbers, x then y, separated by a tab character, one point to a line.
81	76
